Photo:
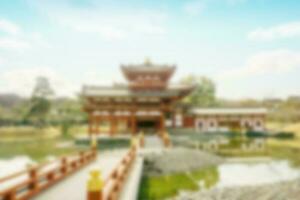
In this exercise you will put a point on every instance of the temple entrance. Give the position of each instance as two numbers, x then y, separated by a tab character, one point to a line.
148	126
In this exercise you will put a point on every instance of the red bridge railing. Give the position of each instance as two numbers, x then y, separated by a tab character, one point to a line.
114	184
27	183
111	188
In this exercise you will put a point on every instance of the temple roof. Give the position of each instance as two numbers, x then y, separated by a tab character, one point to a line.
122	91
148	66
131	70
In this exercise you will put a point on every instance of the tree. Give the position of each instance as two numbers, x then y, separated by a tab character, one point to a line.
40	103
42	88
204	92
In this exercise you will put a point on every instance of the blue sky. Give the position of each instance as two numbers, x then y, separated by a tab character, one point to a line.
250	48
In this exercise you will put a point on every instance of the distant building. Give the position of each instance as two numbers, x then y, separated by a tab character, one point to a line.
225	119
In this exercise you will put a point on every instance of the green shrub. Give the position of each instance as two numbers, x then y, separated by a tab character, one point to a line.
257	134
284	135
279	135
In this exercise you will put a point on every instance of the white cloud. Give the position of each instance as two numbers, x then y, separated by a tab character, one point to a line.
194	7
16	39
9	27
13	43
288	30
115	26
22	81
268	62
105	22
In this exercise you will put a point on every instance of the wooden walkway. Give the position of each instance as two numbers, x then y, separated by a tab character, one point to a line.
74	187
121	171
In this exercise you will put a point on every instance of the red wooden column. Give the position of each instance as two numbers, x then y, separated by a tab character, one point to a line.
173	119
133	123
98	120
111	131
90	121
128	122
114	125
162	123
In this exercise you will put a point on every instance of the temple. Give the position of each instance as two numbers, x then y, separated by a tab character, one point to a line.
145	103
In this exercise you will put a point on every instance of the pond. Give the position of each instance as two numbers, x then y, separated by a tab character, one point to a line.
253	174
13	165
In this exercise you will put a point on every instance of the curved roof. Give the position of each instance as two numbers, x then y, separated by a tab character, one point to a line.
122	91
131	70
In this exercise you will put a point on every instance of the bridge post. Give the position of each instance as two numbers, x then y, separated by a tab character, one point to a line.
63	165
94	186
33	178
11	195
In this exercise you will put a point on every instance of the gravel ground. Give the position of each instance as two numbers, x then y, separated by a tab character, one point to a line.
178	160
278	191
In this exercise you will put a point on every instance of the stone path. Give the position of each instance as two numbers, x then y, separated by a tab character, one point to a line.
74	186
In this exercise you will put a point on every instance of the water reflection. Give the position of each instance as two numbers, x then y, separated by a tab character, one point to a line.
245	174
11	166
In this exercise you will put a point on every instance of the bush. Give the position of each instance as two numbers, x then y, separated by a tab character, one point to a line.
257	134
278	135
284	135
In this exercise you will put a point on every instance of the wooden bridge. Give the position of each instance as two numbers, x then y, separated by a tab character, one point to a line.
107	173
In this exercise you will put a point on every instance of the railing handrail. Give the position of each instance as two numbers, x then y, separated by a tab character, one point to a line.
35	174
38	166
115	175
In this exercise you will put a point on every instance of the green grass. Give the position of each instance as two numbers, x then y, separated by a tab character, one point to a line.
165	186
161	187
107	143
27	133
291	154
209	176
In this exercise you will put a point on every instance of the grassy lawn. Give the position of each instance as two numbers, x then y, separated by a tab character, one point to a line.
107	143
291	154
295	143
161	187
27	133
